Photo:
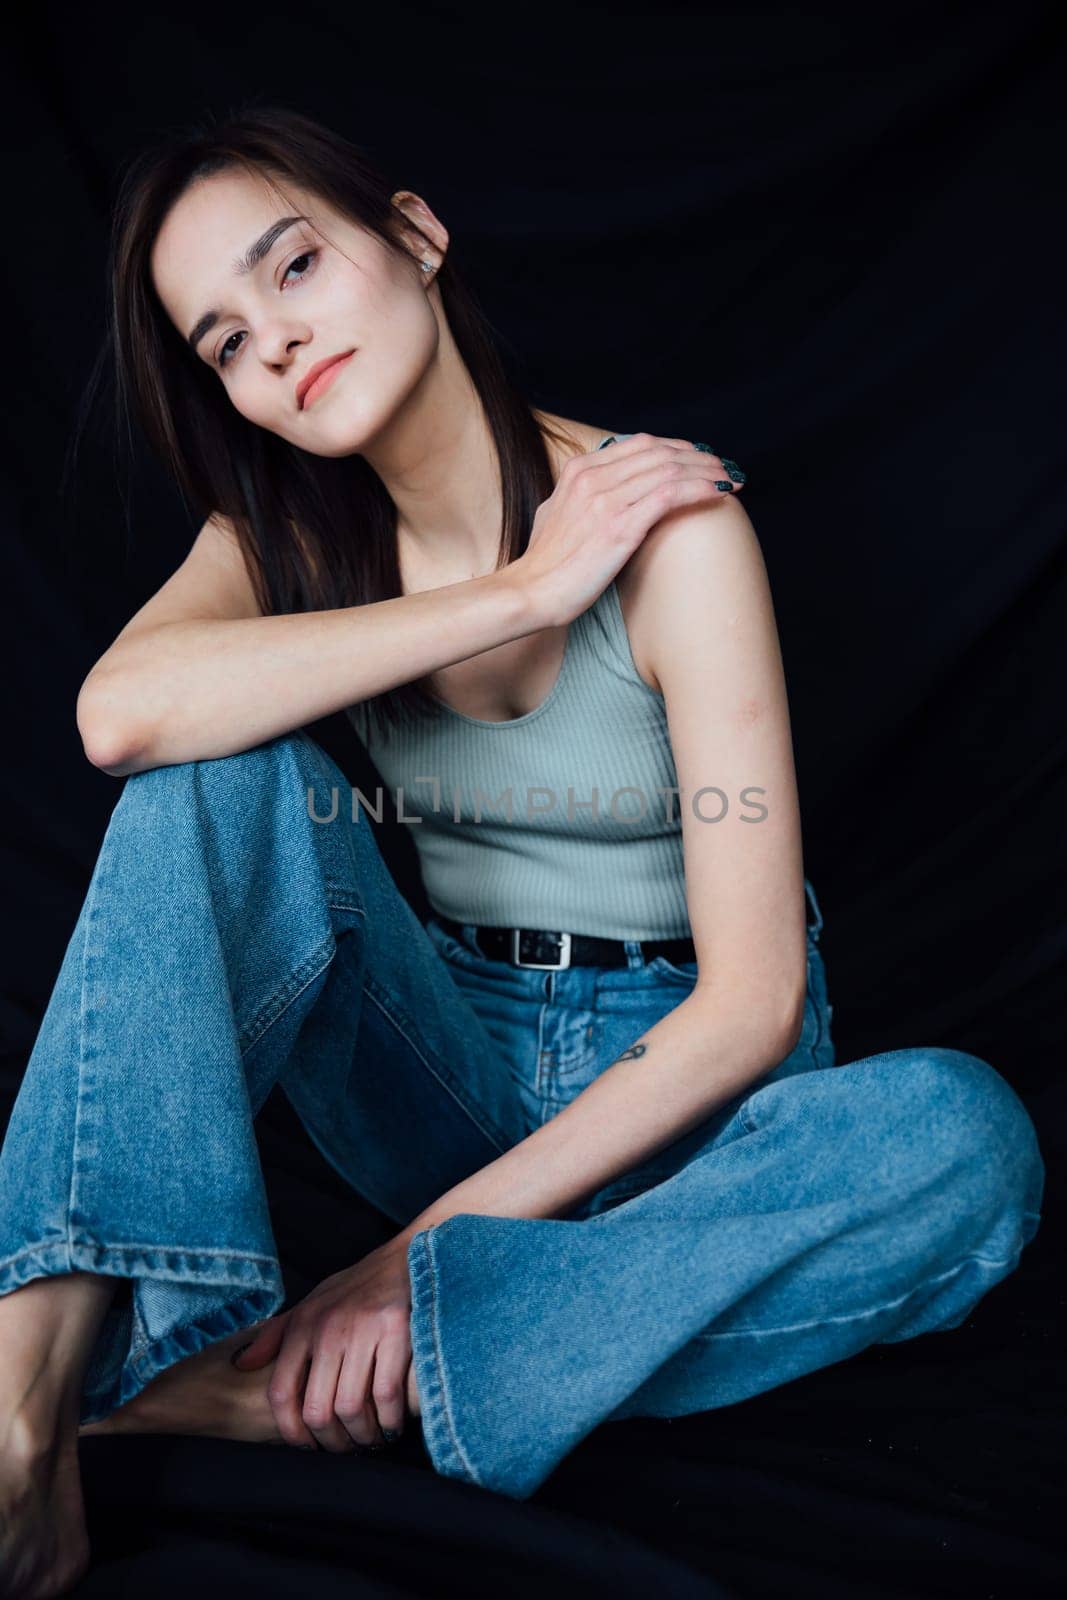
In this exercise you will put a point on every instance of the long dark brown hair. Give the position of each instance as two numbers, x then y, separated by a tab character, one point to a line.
317	533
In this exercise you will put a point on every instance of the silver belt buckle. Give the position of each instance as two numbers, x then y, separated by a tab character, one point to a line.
544	966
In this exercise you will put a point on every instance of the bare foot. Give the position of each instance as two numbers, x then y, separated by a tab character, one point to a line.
46	1331
44	1545
203	1394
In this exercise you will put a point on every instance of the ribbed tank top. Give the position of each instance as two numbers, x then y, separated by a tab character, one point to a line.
507	834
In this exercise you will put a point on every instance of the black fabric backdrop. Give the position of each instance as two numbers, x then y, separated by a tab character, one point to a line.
827	243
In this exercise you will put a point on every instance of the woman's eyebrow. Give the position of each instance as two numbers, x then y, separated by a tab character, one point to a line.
242	266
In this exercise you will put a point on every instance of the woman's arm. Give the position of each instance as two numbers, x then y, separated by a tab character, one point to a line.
696	1057
706	624
199	672
671	1079
703	610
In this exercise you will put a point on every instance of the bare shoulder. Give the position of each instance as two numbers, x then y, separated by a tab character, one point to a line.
565	438
707	557
702	556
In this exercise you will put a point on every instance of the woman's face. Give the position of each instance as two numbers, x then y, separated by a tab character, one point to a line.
309	297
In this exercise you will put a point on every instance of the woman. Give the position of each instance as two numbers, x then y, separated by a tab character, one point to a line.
597	1090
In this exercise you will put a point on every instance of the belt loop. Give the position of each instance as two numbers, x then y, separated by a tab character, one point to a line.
635	956
815	928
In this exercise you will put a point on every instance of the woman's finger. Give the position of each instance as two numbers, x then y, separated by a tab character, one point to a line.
389	1383
663	465
730	477
679	481
731	468
262	1347
660	499
639	441
285	1391
354	1405
320	1391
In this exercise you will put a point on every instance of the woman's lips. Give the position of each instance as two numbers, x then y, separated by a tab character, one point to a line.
324	379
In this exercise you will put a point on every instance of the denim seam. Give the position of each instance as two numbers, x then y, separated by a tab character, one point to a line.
670	969
435	1405
542	1072
49	1247
78	1159
341	899
858	1316
403	1026
165	1249
144	1360
816	1006
298	980
141	1335
144	1365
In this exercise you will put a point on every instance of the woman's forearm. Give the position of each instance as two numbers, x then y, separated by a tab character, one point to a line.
200	688
675	1076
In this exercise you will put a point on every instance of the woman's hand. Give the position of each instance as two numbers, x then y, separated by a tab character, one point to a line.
355	1330
603	505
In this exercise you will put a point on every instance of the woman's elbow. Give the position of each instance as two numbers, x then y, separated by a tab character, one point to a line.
117	757
109	739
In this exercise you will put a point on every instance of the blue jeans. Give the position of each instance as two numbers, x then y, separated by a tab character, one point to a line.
232	938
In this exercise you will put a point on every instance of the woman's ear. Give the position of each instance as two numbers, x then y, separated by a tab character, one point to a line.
420	227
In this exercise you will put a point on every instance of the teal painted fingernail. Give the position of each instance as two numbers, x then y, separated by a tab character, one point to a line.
705	447
734	470
725	486
390	1435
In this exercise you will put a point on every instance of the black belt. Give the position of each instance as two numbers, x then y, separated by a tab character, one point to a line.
543	947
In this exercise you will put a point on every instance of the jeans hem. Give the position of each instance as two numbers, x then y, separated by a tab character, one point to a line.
257	1280
438	1428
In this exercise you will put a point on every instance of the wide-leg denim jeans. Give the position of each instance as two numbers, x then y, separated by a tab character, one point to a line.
241	929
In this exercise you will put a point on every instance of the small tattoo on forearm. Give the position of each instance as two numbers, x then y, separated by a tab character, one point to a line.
634	1051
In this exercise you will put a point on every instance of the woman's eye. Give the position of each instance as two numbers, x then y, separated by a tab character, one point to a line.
307	255
226	354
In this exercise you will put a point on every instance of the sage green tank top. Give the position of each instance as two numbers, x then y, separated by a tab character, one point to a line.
565	818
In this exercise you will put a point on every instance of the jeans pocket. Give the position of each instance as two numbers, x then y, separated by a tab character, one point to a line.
679	971
458	954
